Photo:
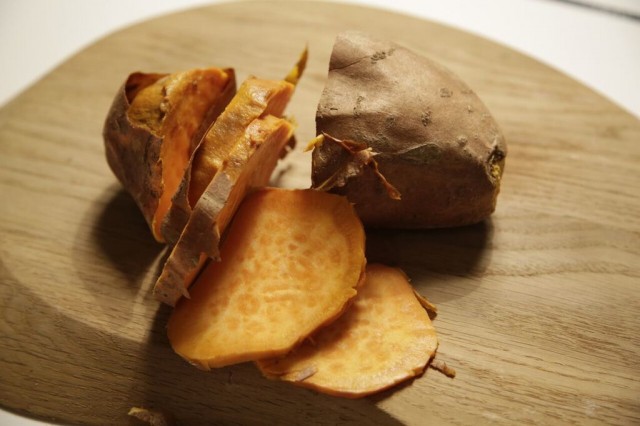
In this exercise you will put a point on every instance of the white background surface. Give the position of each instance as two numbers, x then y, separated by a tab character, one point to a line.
600	49
597	48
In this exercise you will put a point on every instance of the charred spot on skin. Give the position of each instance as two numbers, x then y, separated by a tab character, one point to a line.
445	92
389	121
378	56
496	156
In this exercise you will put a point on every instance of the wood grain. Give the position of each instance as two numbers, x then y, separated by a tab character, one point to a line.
538	307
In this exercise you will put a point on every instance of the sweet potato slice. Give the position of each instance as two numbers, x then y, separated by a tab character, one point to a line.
383	338
291	262
255	98
153	127
432	138
248	166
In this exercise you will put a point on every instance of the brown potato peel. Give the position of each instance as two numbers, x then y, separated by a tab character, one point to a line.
434	140
347	160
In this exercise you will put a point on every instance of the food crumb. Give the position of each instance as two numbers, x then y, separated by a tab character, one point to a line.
442	367
151	417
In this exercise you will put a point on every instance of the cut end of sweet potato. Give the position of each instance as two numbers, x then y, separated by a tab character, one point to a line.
153	128
383	338
291	262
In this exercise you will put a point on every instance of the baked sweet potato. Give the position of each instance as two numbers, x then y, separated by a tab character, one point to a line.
383	338
428	134
153	127
248	166
291	262
255	98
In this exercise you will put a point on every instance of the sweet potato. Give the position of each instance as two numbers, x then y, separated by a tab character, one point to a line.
255	98
428	133
248	166
153	127
226	165
383	338
291	262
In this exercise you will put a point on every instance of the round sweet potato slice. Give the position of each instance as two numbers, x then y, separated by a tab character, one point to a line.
384	337
291	262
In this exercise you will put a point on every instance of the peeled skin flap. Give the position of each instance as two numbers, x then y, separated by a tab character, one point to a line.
292	261
248	166
432	138
153	127
383	338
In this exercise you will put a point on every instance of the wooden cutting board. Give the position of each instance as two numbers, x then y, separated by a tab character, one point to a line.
539	307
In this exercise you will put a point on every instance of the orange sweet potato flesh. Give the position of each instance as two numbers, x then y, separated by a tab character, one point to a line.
292	261
249	165
384	338
153	127
255	98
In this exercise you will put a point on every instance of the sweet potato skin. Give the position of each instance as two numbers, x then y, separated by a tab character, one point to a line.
133	153
432	137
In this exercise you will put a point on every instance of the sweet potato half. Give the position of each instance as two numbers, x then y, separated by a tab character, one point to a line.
423	129
291	262
383	338
152	128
